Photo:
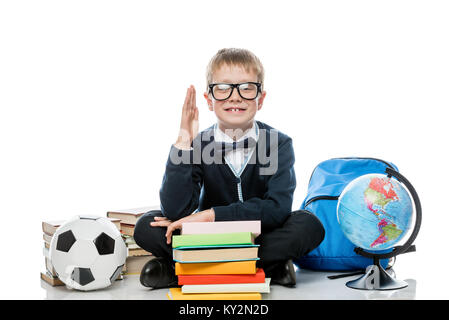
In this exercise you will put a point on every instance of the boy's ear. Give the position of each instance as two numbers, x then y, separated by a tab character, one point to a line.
261	99
209	101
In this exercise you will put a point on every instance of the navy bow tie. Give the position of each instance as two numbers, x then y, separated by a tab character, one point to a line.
243	144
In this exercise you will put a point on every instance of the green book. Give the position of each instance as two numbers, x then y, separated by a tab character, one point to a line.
213	239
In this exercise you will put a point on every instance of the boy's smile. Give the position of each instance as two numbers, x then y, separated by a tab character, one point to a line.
234	112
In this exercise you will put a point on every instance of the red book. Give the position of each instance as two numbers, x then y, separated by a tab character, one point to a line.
258	277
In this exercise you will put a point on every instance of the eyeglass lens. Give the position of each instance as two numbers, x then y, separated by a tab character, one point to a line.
224	91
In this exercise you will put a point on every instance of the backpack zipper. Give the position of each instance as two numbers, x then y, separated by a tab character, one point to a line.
336	197
320	198
377	159
367	158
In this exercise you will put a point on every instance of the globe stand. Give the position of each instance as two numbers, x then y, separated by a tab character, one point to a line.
376	278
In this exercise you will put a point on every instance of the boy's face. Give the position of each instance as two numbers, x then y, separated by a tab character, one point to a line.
225	111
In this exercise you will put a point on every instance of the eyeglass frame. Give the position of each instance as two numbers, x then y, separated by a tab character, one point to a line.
235	85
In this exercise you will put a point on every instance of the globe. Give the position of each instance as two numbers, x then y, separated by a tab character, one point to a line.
374	212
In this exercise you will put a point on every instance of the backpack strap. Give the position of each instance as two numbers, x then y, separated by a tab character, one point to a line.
344	275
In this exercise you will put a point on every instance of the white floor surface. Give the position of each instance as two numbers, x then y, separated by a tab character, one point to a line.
310	285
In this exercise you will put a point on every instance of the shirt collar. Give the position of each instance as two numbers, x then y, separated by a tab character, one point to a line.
220	136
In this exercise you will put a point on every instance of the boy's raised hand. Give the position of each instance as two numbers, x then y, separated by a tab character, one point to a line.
189	121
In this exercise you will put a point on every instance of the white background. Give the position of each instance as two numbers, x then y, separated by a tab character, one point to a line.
91	93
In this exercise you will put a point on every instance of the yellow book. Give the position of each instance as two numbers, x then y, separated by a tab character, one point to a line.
176	294
235	267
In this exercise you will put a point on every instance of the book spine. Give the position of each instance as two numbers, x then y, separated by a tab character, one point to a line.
221	227
238	267
176	294
228	288
258	277
223	254
237	238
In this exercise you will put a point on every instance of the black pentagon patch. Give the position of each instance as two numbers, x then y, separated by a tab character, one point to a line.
116	273
89	217
105	244
65	241
82	276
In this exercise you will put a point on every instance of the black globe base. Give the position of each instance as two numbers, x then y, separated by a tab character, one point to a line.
376	278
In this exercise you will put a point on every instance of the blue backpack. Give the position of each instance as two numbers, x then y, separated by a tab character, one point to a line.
326	184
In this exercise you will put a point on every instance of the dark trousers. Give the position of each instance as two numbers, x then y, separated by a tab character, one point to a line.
301	233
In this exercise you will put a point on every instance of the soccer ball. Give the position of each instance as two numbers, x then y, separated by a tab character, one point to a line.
88	253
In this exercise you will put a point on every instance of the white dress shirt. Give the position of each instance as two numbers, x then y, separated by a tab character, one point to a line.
237	159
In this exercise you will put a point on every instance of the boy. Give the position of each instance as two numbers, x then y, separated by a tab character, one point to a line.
238	169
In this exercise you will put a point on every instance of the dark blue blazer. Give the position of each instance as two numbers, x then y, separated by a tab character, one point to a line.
196	185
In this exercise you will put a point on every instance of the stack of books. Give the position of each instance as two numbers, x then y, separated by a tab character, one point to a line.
49	228
217	261
49	275
137	257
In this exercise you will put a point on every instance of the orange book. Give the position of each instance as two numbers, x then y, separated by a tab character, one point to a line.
258	277
176	294
235	267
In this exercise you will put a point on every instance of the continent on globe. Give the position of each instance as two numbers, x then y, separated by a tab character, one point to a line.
388	232
379	192
374	211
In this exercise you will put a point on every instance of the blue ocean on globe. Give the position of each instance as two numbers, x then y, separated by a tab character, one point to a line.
375	212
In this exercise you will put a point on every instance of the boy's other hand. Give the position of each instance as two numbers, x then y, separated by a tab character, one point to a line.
202	216
189	121
160	222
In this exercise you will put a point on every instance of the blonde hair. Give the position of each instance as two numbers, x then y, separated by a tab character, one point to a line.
235	57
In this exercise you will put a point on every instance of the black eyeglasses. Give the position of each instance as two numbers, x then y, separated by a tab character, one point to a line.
246	90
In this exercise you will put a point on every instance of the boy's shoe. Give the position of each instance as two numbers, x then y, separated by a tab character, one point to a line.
158	273
284	274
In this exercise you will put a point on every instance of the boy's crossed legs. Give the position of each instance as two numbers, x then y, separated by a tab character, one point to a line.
301	233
